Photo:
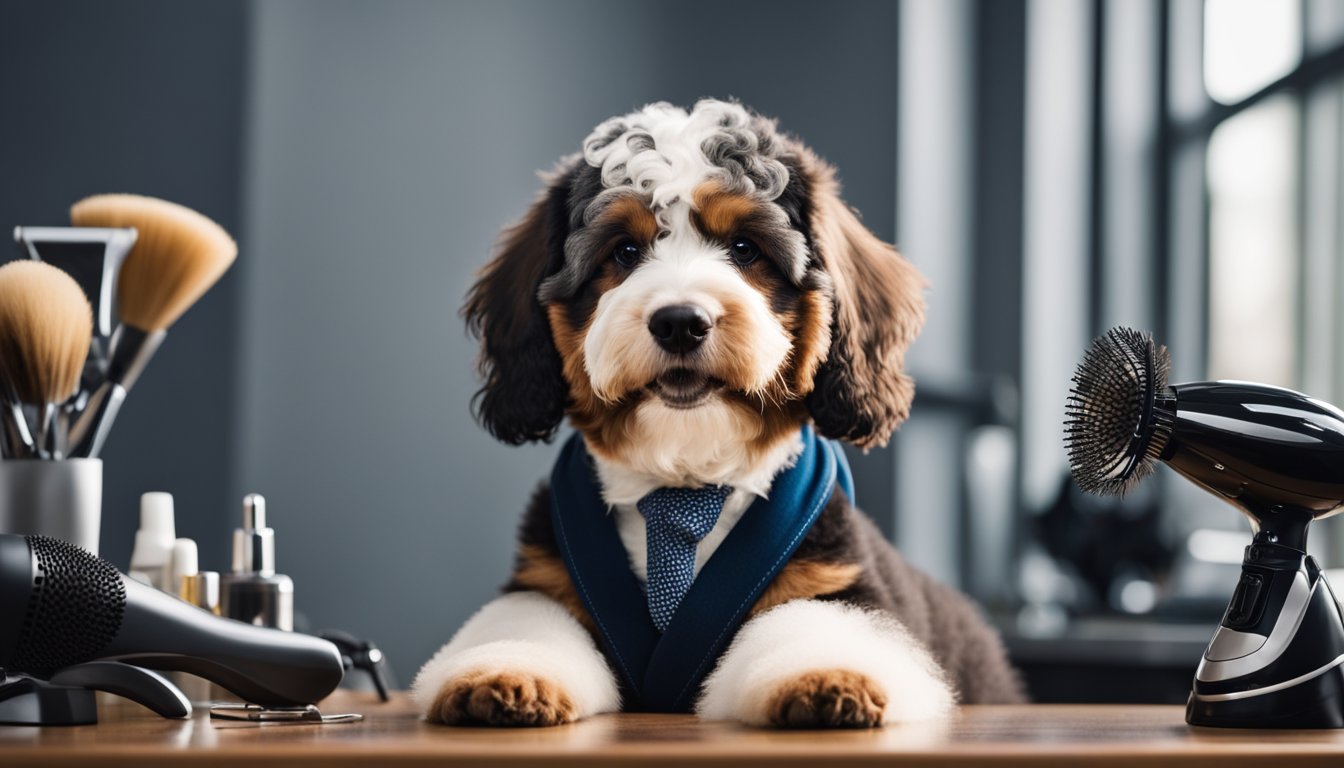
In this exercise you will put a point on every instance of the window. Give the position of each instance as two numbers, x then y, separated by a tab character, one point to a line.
1248	44
1254	174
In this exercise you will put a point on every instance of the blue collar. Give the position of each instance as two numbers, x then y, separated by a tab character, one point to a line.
662	672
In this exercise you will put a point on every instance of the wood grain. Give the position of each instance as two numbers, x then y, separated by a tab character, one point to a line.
392	736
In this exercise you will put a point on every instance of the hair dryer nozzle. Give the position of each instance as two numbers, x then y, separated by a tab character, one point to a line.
1114	425
1275	454
60	606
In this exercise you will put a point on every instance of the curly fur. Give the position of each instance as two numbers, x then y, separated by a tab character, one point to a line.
816	328
858	393
523	397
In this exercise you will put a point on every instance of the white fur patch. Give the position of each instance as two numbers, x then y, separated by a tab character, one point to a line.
682	269
524	633
805	636
623	486
660	151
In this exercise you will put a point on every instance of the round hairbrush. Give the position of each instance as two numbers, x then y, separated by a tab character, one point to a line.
1112	425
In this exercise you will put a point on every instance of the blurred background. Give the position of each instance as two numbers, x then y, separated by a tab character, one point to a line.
1054	166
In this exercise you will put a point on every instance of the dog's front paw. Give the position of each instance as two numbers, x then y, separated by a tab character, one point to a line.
502	699
832	698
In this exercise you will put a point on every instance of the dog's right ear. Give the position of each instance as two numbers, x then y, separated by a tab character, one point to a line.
524	394
861	392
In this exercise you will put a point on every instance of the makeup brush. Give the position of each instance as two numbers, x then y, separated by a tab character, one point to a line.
18	441
179	254
46	325
93	256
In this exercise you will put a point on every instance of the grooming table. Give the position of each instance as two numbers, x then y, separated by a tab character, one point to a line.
391	736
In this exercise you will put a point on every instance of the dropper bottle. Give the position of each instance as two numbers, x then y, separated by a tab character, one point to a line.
253	592
154	541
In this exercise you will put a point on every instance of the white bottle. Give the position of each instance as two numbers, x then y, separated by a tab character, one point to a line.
150	559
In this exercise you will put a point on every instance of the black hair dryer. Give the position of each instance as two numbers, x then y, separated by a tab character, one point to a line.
1277	657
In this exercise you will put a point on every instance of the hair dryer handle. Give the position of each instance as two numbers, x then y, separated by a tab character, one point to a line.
264	666
146	688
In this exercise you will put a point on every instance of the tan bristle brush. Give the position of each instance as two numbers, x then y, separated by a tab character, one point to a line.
46	324
177	257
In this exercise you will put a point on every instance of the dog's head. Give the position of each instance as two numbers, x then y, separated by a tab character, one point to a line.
693	272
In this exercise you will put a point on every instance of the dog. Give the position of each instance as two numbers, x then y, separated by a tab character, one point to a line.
693	294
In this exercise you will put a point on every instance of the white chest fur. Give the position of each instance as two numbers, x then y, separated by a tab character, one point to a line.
623	486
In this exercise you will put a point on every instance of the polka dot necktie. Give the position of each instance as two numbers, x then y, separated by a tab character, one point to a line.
676	519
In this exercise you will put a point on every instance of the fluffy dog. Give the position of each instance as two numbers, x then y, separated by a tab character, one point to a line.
691	291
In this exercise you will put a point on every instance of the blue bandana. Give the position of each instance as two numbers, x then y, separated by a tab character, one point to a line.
662	671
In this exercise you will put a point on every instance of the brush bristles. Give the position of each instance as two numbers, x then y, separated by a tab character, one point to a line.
178	255
46	324
1110	419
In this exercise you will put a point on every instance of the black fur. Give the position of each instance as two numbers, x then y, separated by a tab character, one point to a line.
946	622
860	392
836	403
832	403
524	395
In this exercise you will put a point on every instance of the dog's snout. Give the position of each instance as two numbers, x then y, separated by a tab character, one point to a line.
680	328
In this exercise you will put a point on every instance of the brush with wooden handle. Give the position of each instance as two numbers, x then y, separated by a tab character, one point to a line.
178	256
46	324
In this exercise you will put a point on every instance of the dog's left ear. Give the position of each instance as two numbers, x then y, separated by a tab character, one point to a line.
524	394
860	392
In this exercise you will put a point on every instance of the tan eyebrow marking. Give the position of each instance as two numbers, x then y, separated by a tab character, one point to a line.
719	213
638	219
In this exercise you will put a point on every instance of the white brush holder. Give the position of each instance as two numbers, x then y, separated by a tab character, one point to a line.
61	499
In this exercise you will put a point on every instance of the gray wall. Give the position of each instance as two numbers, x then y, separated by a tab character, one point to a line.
366	155
139	97
387	143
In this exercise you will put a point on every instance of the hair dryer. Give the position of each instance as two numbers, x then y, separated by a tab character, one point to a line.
61	606
1275	454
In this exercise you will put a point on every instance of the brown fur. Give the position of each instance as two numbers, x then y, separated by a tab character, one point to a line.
832	698
879	308
719	213
851	316
502	699
607	434
943	619
631	211
778	410
812	339
541	571
805	579
603	424
806	316
845	557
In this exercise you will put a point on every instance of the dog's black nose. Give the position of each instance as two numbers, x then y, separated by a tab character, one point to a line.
680	328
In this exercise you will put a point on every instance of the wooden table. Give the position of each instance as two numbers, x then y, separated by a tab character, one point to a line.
1037	735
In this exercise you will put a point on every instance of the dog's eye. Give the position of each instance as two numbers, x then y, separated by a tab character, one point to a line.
743	251
626	254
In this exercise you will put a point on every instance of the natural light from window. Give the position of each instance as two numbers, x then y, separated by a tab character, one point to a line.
1249	44
1253	245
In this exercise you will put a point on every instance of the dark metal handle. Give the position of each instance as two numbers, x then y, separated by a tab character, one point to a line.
142	686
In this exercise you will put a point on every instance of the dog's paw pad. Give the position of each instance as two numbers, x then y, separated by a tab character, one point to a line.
833	698
502	698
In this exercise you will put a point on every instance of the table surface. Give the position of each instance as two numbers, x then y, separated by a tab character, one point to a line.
391	735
